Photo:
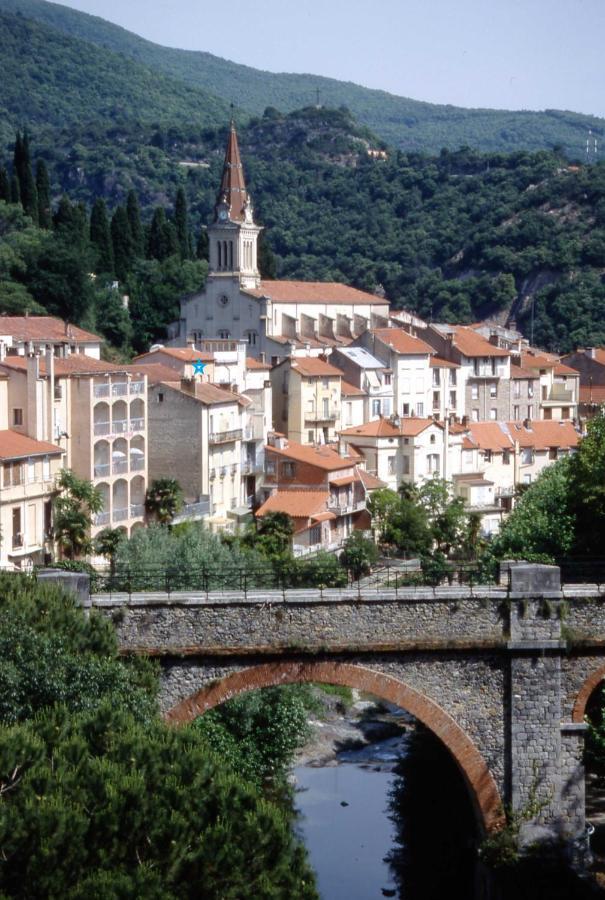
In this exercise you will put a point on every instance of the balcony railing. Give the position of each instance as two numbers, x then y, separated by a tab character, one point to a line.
120	514
137	387
119	466
327	415
137	463
137	510
101	428
224	437
137	424
120	389
101	519
101	470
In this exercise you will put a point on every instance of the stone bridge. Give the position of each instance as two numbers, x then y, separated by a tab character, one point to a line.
501	675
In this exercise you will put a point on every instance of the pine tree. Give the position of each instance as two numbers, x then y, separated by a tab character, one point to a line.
163	240
43	188
5	187
100	237
15	190
121	238
133	212
181	223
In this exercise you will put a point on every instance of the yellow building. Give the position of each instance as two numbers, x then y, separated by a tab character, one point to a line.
307	399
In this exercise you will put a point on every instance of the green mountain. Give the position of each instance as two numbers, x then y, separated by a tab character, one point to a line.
51	79
402	122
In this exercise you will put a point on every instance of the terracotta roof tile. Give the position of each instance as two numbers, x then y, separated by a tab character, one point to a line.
402	342
315	292
314	366
298	504
45	328
322	457
471	344
542	435
14	446
253	364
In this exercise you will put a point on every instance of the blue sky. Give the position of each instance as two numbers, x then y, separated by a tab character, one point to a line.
509	54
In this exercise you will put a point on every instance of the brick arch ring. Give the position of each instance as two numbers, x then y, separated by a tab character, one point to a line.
584	694
479	780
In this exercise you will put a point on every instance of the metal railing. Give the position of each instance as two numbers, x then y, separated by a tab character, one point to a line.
224	437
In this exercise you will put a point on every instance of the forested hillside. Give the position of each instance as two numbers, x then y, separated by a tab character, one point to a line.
403	122
461	236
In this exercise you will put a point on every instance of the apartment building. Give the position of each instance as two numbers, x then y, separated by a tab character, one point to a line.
325	493
198	435
307	399
20	335
27	489
97	414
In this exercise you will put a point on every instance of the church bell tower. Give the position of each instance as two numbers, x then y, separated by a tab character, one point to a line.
233	234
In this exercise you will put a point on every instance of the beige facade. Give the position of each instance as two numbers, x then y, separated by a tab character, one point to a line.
307	400
27	488
97	414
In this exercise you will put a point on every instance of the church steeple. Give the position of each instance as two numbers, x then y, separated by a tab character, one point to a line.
233	235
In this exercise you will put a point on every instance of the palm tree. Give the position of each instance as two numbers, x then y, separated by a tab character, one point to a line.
164	499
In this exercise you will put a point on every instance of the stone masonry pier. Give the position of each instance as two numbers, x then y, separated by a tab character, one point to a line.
501	675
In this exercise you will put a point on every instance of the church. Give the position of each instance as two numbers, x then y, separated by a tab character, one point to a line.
276	319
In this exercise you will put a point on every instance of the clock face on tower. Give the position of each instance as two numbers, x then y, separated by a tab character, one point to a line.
223	300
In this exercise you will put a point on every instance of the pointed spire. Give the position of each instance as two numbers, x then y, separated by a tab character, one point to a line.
232	192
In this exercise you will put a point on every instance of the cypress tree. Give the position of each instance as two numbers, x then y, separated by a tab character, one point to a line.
121	238
23	170
202	249
43	188
15	190
5	187
100	237
181	224
133	212
163	240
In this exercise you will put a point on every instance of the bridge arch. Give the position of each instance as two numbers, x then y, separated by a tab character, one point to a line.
585	693
479	780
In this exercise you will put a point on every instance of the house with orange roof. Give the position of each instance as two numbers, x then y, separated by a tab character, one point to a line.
27	489
20	335
404	450
96	413
324	491
276	318
307	399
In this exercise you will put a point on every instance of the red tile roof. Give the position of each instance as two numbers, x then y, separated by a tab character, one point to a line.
185	354
471	344
314	366
45	328
252	363
409	426
298	504
329	292
402	342
15	446
322	457
542	435
351	390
